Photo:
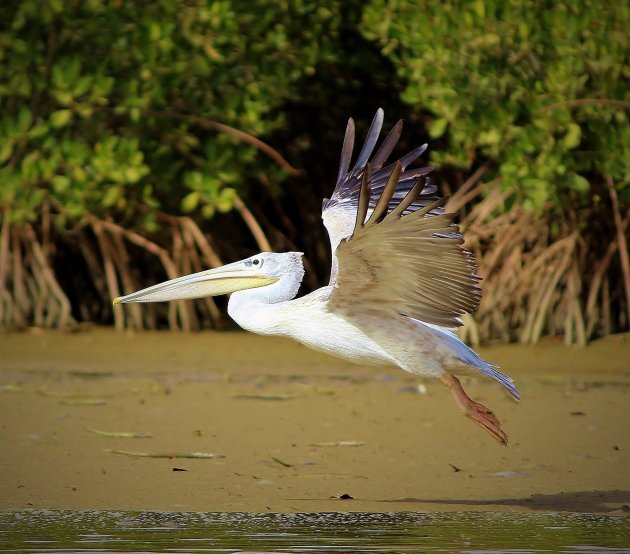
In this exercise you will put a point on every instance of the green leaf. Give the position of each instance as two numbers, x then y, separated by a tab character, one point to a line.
60	118
225	201
437	127
6	148
60	184
490	137
63	97
25	119
579	183
111	196
190	201
193	180
573	136
208	211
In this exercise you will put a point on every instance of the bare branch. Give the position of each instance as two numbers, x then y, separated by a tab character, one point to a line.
223	128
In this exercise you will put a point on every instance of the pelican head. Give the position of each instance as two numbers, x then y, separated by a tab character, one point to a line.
262	270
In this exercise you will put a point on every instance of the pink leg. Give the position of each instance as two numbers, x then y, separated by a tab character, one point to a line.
475	411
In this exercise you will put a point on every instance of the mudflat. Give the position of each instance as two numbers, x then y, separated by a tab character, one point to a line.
83	417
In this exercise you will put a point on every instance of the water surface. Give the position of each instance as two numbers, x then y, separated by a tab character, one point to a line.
148	532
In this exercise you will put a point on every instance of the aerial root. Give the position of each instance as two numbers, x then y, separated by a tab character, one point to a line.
190	251
482	416
31	295
28	287
537	282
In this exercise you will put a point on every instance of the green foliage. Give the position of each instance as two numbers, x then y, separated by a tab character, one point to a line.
540	90
98	100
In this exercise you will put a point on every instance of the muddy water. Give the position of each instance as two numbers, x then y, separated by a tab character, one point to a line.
292	431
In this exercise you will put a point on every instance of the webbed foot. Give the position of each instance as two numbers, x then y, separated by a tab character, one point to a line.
481	415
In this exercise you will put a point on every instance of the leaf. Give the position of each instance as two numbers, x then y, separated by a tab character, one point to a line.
12	388
190	201
208	211
279	461
579	183
339	443
25	120
83	402
6	149
60	118
199	455
62	96
38	131
111	196
490	137
437	127
266	396
193	180
84	110
121	434
573	137
60	183
134	174
225	202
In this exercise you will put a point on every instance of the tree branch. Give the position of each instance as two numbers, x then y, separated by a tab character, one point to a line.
222	128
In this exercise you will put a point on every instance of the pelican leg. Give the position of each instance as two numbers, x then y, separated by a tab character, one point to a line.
475	411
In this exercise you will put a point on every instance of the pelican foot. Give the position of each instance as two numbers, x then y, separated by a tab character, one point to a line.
482	416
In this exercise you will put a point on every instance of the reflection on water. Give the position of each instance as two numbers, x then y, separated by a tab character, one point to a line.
86	531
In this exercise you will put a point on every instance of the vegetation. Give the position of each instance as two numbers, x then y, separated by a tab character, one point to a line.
143	140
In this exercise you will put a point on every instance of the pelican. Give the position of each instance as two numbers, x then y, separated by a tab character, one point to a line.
400	279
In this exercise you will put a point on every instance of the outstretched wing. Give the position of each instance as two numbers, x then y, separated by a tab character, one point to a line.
339	212
404	262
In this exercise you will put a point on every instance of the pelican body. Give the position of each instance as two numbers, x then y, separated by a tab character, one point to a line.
400	278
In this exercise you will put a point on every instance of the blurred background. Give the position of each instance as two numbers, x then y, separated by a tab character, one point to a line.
144	140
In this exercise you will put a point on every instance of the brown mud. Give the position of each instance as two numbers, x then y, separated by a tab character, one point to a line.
296	428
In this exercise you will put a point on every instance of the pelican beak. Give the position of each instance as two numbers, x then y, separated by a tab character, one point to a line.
212	282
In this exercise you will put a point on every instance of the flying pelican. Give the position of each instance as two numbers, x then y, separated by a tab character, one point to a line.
400	278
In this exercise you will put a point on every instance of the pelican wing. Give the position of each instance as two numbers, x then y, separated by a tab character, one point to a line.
398	261
339	212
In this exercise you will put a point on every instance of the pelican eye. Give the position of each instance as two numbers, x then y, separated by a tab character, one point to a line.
256	262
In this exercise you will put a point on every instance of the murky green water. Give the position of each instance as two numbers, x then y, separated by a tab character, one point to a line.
86	531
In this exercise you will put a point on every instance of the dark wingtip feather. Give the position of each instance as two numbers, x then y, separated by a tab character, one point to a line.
346	150
388	145
370	140
349	182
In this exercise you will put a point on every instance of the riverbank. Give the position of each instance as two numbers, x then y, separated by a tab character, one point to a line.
291	428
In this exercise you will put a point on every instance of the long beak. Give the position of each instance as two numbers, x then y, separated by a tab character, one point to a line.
212	282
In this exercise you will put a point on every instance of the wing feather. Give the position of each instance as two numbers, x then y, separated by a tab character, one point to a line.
346	149
339	212
386	149
370	141
408	158
409	263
